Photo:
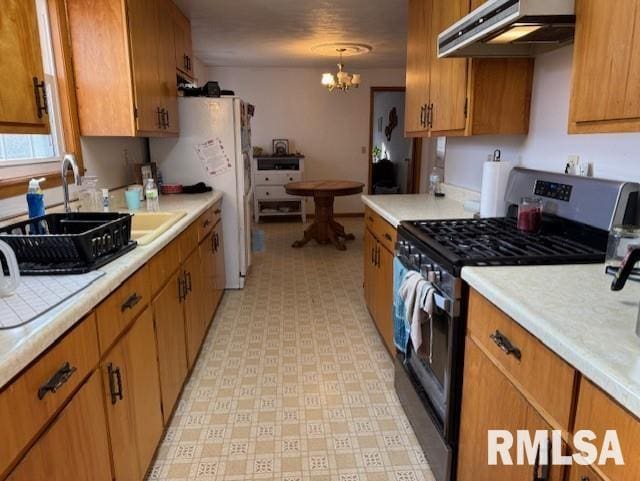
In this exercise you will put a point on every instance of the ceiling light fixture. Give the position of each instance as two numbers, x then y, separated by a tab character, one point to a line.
341	80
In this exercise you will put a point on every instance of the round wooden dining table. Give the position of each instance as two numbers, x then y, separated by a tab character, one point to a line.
325	228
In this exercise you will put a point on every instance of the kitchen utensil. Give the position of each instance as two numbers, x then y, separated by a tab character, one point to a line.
530	214
9	282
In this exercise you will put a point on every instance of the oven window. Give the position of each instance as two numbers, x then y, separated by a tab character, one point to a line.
433	354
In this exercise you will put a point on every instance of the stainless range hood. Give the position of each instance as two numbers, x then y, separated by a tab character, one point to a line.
510	28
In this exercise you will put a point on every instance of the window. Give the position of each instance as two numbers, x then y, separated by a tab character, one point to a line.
21	149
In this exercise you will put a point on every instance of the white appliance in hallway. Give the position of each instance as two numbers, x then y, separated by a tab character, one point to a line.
214	147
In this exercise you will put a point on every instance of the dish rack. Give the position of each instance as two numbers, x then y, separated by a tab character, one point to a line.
72	243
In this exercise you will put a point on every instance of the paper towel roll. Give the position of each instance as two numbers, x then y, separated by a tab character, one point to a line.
495	176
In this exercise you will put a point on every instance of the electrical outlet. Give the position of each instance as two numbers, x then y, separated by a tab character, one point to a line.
573	165
363	150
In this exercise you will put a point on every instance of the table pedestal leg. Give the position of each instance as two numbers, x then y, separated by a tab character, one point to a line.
324	228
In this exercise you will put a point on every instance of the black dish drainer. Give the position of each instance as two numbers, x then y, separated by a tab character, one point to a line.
72	243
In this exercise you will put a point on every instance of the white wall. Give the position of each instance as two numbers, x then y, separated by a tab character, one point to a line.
330	129
547	146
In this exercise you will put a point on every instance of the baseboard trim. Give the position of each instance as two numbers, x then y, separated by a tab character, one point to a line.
343	214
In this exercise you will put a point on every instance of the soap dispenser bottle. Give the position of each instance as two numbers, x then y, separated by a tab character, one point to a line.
35	198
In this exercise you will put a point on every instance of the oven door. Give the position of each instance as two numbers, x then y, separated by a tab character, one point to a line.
430	362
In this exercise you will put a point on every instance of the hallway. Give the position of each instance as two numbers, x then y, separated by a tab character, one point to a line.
293	382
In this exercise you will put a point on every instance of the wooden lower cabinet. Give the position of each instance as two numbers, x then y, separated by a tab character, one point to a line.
378	286
195	305
171	341
132	392
490	401
76	446
582	473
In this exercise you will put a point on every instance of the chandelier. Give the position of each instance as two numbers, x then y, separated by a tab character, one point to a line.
341	80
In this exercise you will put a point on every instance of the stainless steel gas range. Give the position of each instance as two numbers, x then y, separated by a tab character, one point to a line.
578	213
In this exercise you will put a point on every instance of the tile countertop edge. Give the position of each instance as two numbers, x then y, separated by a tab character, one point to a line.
583	362
66	315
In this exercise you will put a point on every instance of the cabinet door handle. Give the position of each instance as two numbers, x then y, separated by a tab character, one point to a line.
61	376
40	92
541	473
370	219
430	116
131	302
217	211
159	115
188	286
181	292
206	223
388	236
115	383
423	115
505	344
377	255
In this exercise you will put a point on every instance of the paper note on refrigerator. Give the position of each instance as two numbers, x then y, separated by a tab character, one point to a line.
213	156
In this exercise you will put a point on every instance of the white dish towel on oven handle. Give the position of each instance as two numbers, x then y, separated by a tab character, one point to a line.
417	294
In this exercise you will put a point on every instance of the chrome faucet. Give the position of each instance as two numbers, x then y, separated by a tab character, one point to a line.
69	160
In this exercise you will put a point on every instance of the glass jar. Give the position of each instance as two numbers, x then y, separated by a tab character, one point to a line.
530	214
89	196
622	238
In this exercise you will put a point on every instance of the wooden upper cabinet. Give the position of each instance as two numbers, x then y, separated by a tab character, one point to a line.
458	96
143	28
167	65
448	86
417	76
183	49
22	101
605	94
120	66
75	447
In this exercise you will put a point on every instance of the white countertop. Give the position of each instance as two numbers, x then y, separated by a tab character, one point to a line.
21	345
572	310
398	207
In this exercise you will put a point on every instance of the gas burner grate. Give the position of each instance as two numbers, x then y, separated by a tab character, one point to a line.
497	241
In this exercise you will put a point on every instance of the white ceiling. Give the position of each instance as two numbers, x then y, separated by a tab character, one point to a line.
281	33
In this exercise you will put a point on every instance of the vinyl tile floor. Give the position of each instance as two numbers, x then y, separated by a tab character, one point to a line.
293	382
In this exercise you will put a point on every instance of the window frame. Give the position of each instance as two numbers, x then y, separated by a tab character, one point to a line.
64	118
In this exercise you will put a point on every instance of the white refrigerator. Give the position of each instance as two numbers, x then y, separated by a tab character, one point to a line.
214	147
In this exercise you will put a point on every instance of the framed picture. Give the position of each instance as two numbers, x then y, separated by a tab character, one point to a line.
142	172
280	146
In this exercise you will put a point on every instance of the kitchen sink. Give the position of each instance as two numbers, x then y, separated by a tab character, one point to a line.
147	226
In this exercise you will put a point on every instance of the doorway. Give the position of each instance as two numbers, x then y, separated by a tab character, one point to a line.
394	160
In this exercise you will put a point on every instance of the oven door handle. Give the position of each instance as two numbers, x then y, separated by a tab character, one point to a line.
441	301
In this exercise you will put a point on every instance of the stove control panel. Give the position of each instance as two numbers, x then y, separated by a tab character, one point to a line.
553	190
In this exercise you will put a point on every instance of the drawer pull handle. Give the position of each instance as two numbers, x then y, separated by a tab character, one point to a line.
57	380
504	343
267	179
370	219
115	383
388	236
584	478
206	223
217	211
131	302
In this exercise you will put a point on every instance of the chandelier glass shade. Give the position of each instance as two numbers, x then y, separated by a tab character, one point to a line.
341	80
